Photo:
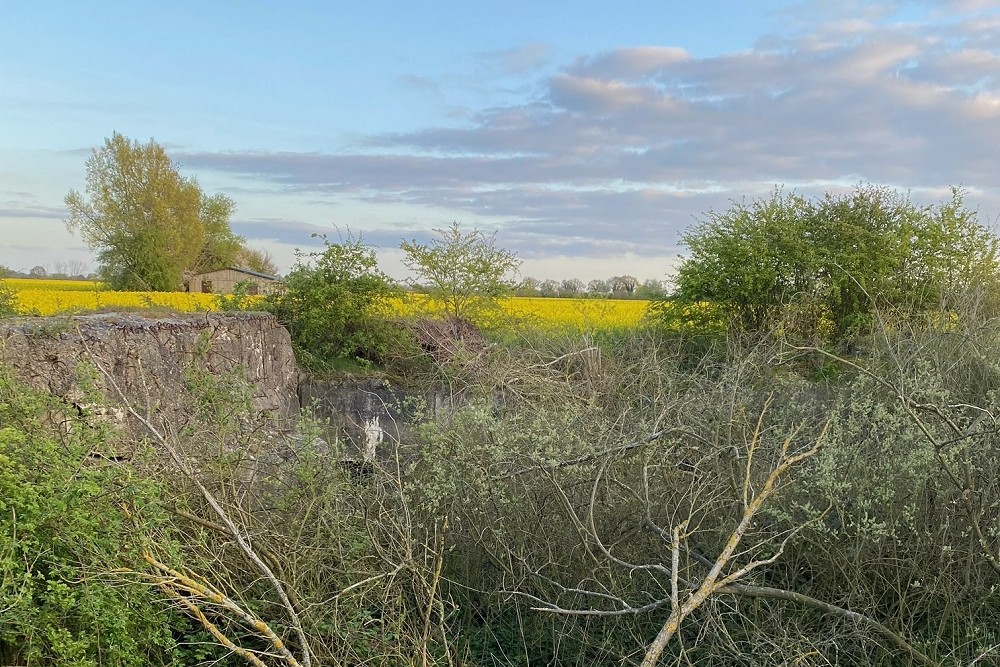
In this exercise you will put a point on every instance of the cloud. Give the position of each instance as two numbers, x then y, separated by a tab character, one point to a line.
420	83
618	151
280	230
516	61
629	63
39	212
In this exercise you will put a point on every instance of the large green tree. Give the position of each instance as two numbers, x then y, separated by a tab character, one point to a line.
220	247
146	222
840	256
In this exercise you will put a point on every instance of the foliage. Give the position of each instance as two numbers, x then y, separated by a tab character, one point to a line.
257	260
147	223
465	272
552	478
244	297
551	457
65	534
8	300
352	562
221	247
652	289
331	304
841	257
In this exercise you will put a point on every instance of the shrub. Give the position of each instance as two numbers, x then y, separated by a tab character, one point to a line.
331	305
466	273
839	258
65	537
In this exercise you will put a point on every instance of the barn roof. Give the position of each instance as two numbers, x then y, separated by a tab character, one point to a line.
257	274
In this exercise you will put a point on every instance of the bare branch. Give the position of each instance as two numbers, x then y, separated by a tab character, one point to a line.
826	607
234	532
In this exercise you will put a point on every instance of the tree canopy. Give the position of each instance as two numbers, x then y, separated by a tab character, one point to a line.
147	223
839	256
463	271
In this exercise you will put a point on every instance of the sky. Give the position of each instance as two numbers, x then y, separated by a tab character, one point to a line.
587	135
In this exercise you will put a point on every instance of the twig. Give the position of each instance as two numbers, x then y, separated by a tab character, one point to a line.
242	541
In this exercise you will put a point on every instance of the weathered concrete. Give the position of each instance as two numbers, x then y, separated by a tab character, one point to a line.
147	358
348	405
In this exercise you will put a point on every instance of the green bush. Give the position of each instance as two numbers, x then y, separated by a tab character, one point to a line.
66	542
833	262
330	306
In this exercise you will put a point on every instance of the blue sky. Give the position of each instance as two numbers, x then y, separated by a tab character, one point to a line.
588	135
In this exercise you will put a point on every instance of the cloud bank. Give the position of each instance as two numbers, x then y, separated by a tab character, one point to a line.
617	152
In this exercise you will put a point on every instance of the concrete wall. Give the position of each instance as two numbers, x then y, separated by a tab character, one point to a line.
147	357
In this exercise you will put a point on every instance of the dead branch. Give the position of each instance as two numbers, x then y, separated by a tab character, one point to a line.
182	588
241	540
747	590
711	584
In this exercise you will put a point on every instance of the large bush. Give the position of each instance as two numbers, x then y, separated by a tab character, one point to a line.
332	305
836	259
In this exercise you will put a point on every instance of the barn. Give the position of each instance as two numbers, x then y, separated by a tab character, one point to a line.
224	281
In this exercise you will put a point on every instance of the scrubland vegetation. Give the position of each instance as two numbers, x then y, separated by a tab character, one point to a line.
792	461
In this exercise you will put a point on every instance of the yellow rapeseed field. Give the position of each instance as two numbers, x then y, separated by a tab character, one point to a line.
59	297
61	302
51	297
543	313
52	284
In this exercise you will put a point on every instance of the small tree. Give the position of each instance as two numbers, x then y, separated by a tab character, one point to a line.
465	272
571	287
624	285
599	287
527	287
651	289
330	303
257	259
548	287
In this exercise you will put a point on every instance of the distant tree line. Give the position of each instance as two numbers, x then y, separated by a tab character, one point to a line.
71	270
615	287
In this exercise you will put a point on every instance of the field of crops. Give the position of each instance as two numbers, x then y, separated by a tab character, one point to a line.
548	313
72	302
55	297
52	284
